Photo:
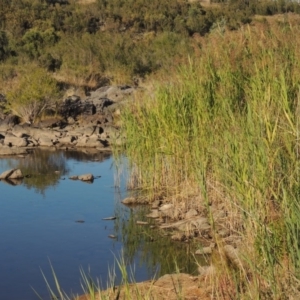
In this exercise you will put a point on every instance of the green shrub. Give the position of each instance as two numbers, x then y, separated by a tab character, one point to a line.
35	92
35	40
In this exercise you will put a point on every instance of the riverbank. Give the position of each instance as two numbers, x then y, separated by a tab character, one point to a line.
215	150
172	287
91	122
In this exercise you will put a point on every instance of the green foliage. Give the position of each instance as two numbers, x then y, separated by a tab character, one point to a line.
124	36
34	93
35	40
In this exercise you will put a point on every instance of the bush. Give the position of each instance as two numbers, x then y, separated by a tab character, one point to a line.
3	45
33	94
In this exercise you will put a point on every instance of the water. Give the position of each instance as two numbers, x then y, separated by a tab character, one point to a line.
39	225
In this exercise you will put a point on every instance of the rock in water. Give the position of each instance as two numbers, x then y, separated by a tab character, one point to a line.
16	174
86	177
6	174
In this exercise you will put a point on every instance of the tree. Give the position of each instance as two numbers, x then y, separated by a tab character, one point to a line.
35	92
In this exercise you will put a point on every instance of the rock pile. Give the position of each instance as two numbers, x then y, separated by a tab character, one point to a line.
87	123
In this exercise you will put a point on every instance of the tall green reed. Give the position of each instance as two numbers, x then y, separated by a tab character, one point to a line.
228	121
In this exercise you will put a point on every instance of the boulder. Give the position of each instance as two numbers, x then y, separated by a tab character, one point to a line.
51	123
28	131
129	200
16	174
3	126
100	103
195	223
15	141
45	141
21	130
86	177
6	174
12	174
111	132
10	120
32	142
81	131
90	142
233	256
66	141
167	210
73	106
113	93
81	141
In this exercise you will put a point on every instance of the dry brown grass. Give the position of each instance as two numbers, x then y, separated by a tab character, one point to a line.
168	287
85	1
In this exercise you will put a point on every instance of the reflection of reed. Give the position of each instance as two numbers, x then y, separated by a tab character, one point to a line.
154	249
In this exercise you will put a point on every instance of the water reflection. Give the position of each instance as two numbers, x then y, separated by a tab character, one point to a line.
12	182
88	155
33	231
43	168
155	249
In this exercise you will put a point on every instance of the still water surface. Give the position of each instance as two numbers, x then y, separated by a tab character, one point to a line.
39	215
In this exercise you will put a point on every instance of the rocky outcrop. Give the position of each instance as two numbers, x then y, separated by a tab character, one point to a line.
79	123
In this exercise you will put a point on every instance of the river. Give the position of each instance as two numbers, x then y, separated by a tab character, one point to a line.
49	220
